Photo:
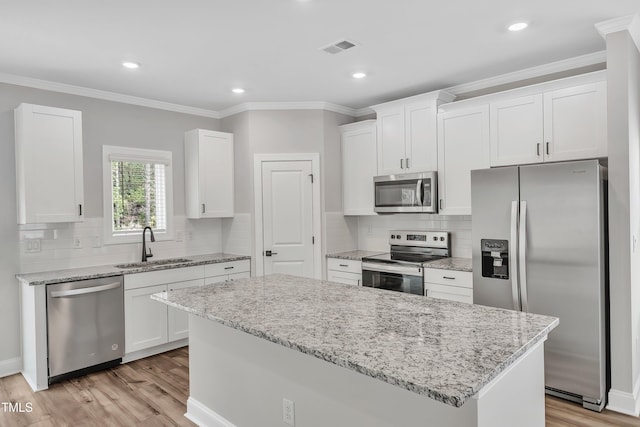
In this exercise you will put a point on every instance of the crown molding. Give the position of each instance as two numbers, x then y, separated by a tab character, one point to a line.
630	23
105	95
363	112
310	105
528	73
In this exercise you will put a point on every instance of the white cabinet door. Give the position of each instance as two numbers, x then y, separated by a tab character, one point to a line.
343	277
359	166
145	319
575	122
421	137
390	141
48	164
178	320
209	159
463	145
516	131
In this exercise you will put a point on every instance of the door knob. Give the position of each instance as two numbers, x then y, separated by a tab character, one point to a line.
269	253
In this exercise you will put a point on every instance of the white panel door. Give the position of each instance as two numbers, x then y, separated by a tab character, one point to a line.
575	122
145	319
178	320
421	137
516	131
391	149
463	145
287	216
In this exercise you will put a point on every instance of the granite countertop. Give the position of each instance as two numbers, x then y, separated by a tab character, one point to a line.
459	264
441	349
73	274
353	255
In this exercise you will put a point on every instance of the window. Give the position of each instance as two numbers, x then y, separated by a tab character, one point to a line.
137	186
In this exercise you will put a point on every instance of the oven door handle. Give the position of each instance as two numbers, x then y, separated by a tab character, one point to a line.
419	192
386	268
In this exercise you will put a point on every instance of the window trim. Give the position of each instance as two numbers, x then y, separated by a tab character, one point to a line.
134	154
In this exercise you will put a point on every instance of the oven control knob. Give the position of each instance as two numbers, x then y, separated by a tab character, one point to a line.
393	236
442	239
435	238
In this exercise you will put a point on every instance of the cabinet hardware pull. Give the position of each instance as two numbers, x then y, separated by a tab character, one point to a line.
440	204
538	149
80	208
343	265
547	148
407	162
448	277
228	268
203	208
401	163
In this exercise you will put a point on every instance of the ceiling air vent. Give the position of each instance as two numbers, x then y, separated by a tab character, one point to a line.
338	47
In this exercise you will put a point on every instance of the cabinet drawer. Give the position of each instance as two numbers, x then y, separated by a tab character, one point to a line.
185	284
344	265
159	277
448	277
224	268
449	296
346	278
455	290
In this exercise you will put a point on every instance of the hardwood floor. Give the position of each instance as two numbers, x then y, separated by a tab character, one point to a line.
153	392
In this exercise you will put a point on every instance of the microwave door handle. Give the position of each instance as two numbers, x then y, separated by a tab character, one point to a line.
419	192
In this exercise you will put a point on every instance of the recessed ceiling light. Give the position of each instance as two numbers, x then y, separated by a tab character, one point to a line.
132	65
518	26
237	90
359	75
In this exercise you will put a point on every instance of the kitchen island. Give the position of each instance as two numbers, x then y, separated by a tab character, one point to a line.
348	355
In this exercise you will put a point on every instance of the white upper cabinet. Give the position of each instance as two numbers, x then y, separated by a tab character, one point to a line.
209	190
568	123
358	167
48	164
407	135
575	122
463	145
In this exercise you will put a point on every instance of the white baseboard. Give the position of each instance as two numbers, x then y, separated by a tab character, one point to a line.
10	366
625	403
203	416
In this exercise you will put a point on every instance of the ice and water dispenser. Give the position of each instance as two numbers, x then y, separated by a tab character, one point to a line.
495	258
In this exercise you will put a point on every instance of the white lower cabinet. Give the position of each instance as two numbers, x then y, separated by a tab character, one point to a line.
225	272
344	271
451	285
145	319
178	320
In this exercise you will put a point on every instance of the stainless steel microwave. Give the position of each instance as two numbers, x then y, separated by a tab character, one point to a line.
407	193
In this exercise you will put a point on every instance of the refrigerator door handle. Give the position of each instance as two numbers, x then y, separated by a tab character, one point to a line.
513	259
522	256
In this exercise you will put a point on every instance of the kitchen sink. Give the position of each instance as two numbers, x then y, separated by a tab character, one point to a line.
152	263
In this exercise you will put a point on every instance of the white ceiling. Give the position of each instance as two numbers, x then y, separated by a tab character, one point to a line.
193	52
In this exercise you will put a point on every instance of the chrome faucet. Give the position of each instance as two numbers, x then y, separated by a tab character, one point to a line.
146	255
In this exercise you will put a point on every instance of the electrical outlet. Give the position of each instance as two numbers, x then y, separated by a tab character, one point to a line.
77	242
33	245
288	412
96	242
179	236
370	230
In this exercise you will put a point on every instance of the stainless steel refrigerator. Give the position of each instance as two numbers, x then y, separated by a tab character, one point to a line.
538	235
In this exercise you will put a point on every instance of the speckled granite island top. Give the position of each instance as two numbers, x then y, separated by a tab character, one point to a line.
73	274
444	350
453	263
353	255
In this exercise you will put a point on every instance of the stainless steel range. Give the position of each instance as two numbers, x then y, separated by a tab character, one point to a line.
402	269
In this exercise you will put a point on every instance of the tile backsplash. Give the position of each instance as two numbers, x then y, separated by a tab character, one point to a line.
373	231
70	245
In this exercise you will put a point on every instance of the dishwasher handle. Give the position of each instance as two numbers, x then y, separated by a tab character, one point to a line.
83	291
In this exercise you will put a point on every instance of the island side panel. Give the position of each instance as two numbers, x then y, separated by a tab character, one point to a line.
516	396
242	379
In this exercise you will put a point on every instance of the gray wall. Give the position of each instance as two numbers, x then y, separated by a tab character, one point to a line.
104	123
623	103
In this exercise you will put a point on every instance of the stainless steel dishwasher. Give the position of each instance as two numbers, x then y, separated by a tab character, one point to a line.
85	326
